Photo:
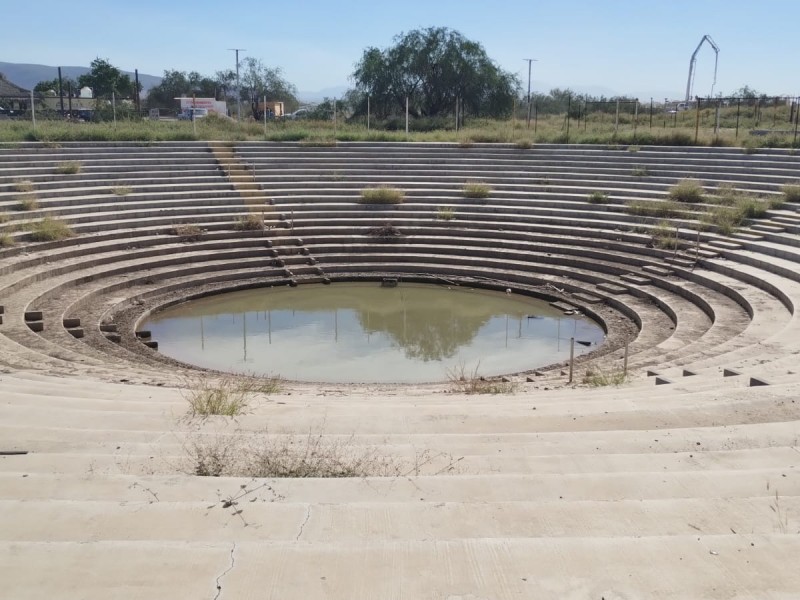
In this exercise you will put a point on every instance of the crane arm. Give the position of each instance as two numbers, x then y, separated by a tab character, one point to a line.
693	61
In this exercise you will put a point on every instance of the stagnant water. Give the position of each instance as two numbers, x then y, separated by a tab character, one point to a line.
365	333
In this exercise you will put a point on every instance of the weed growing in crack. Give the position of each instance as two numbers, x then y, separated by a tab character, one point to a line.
227	396
463	381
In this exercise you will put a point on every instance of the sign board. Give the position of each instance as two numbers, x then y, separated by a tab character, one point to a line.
212	105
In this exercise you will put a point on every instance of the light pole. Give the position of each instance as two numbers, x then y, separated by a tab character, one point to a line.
238	89
530	61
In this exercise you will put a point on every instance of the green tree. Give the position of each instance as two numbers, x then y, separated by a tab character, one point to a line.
434	68
104	78
177	84
259	81
51	86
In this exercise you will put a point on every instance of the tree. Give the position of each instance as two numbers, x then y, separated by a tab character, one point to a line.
104	78
177	84
259	81
434	68
50	86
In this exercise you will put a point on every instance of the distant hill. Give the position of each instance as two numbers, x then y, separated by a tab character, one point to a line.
27	76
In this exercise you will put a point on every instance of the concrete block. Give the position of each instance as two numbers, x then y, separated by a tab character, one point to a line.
612	288
76	332
730	373
151	344
635	279
652	373
37	326
108	327
144	334
688	373
662	381
757	381
33	315
70	322
114	337
656	270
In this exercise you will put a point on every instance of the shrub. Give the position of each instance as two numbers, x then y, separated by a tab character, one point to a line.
476	190
6	240
382	195
69	167
524	144
687	190
50	229
27	202
445	213
640	172
24	185
791	192
250	222
121	190
598	197
725	219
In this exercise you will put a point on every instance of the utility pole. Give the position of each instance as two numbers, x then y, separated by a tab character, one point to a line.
530	61
238	88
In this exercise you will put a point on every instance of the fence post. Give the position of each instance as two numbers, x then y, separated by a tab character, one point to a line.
406	116
616	121
738	110
697	120
569	108
796	119
33	112
651	112
571	357
635	118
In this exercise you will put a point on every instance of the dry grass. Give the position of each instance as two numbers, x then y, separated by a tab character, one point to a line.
250	222
187	232
382	195
791	192
662	209
27	202
476	190
463	381
664	236
598	197
6	240
445	213
640	172
68	167
50	229
121	190
227	396
315	454
24	185
598	378
385	231
688	191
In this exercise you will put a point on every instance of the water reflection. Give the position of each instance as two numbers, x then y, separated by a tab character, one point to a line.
365	333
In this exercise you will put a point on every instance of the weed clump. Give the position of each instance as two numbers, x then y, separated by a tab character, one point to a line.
640	172
50	229
187	232
385	232
6	240
121	190
228	396
463	381
791	192
250	222
445	213
688	191
24	185
476	190
28	202
382	195
69	167
601	379
663	209
598	197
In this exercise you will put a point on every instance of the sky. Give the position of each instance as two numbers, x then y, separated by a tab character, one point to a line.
640	48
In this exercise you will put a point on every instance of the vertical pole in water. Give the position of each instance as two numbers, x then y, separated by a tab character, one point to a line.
625	362
571	357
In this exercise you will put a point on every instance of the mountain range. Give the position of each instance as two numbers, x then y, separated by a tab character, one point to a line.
28	75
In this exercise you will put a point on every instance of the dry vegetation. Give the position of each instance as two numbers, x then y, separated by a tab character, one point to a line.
49	229
228	395
476	190
464	381
250	222
382	195
68	167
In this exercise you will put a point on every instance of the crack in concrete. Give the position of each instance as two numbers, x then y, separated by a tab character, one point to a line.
303	524
225	572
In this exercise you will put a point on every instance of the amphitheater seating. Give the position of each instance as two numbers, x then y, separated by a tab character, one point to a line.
691	464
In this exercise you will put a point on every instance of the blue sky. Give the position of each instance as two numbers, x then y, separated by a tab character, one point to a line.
600	46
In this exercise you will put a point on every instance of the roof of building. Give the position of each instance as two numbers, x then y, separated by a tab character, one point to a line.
10	89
